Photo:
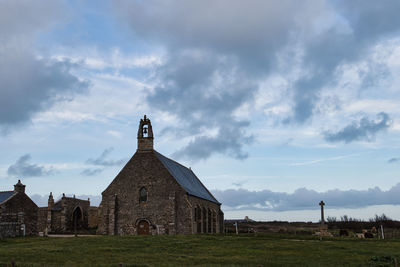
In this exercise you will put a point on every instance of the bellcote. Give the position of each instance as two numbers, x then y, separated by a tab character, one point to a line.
145	135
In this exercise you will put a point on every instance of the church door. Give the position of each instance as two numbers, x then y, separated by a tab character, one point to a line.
143	228
77	220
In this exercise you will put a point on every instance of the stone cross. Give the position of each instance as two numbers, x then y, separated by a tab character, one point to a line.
322	204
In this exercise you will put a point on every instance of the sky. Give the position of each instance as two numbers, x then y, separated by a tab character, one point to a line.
275	105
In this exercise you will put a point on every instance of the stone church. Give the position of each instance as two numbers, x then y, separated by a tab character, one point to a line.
154	194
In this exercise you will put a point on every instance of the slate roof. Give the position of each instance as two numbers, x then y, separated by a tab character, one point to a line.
4	195
186	178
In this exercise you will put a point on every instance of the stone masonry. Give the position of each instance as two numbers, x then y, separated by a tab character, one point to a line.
18	213
148	197
64	215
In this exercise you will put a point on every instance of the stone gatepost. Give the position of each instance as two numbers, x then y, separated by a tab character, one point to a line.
221	221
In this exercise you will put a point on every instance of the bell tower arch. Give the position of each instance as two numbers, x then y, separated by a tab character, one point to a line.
145	135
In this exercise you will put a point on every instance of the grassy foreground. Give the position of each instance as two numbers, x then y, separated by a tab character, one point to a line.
208	250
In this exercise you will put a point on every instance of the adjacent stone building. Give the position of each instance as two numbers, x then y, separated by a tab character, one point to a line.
67	215
153	194
18	213
20	216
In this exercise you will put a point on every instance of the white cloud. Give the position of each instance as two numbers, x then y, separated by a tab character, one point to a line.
115	134
94	59
322	160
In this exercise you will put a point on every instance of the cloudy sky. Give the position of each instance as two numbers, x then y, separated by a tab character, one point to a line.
274	104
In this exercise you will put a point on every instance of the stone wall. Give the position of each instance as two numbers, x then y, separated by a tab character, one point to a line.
42	219
69	205
61	218
56	226
206	216
167	209
93	220
10	229
16	214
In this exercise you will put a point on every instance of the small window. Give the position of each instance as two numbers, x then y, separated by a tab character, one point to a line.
142	195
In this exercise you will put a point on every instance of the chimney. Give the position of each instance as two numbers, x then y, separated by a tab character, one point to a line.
19	187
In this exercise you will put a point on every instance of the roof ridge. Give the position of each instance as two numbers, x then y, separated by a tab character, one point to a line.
6	191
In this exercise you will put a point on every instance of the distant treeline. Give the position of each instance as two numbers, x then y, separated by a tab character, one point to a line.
347	222
334	225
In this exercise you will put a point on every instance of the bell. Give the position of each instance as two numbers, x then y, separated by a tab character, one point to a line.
145	130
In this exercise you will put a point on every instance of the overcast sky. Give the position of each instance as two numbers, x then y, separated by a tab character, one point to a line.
275	105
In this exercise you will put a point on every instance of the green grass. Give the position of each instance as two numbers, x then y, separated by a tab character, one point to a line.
205	250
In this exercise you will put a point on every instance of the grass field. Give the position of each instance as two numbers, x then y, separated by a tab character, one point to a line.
207	250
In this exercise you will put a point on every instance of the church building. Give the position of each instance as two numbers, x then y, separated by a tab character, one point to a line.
154	194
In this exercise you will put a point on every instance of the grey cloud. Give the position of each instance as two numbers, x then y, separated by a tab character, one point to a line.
91	172
306	199
367	22
215	57
240	183
247	29
204	91
203	147
23	168
37	16
394	160
203	39
102	160
364	129
28	83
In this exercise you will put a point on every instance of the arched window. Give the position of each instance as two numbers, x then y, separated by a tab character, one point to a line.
142	195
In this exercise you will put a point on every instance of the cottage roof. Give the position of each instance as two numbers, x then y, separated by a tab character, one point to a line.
4	195
186	178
